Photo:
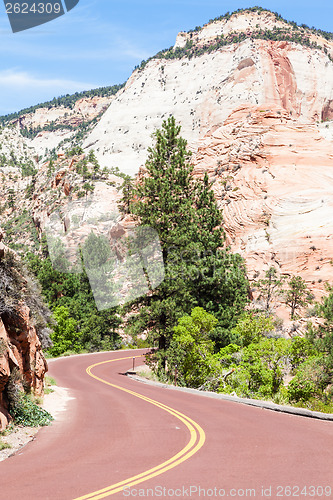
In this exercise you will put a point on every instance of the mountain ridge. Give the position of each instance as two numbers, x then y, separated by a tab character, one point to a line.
216	29
110	90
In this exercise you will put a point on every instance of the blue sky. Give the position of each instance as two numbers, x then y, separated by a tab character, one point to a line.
99	42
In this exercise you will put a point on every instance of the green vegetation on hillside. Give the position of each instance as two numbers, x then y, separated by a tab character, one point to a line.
26	166
32	132
256	365
278	17
20	226
79	325
80	133
80	130
258	362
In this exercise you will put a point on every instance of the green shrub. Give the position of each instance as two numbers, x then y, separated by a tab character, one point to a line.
65	335
256	370
190	355
281	397
251	380
300	388
311	380
142	343
3	445
315	404
49	382
27	413
252	327
300	349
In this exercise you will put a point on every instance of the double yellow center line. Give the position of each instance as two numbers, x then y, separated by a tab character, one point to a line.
196	441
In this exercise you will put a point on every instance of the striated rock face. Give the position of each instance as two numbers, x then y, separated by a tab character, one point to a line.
273	178
21	353
202	92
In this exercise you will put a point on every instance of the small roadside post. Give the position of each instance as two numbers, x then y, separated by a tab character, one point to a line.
132	371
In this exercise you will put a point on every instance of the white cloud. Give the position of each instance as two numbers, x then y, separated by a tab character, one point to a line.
21	89
23	80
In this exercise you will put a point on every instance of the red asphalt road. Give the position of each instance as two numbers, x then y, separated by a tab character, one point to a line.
107	435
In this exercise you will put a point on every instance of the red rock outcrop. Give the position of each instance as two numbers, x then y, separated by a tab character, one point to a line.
20	351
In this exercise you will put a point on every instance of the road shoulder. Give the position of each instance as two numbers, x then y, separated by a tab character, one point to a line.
18	437
267	405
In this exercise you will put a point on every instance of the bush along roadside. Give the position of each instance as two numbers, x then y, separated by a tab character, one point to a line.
27	413
257	365
23	405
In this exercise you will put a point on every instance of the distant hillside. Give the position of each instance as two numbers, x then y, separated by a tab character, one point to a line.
43	129
68	101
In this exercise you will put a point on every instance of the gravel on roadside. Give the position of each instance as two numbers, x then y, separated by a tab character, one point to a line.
55	402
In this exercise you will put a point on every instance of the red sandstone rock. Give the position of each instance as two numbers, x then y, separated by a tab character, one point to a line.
20	348
67	188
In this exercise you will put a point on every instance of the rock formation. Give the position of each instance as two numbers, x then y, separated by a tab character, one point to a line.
21	356
202	91
257	117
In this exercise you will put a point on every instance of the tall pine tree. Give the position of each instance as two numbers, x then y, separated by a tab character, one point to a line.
198	270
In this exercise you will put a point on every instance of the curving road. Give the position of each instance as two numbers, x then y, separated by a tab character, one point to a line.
123	439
